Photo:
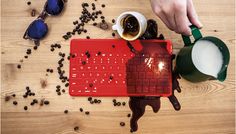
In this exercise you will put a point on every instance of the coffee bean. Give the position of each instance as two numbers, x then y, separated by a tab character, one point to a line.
128	115
52	49
75	22
90	98
103	5
99	101
28	3
33	12
122	124
85	31
35	47
25	108
91	102
32	103
67	84
58	86
95	101
13	95
63	90
102	17
81	110
118	103
66	111
114	100
93	8
123	103
76	128
93	4
18	66
87	113
95	24
113	34
111	77
87	37
15	102
113	21
59	93
35	101
26	56
46	102
25	96
103	21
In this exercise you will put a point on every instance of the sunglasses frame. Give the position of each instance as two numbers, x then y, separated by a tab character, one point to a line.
42	16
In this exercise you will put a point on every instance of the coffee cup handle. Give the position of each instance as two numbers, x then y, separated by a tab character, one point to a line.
114	27
196	34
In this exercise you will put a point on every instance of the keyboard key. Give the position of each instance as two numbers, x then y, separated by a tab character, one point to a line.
131	89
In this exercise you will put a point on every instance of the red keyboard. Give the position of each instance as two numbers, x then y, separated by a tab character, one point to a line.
108	67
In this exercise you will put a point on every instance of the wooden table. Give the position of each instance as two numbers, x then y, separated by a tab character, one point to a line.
207	107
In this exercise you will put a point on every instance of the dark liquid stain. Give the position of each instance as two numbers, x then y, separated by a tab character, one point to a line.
131	26
43	83
138	104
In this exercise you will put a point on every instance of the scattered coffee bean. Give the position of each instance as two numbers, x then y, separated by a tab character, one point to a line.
76	128
122	124
59	93
90	98
103	5
67	84
128	115
123	103
87	37
35	47
46	102
95	24
66	111
35	101
26	56
19	66
113	21
32	103
63	90
13	95
83	62
28	3
118	103
81	110
113	34
25	108
87	113
15	102
33	12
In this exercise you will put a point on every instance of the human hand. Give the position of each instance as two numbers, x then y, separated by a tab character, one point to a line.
177	15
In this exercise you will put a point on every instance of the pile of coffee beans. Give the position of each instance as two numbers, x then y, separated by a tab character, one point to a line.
61	71
94	101
117	103
28	92
87	15
56	45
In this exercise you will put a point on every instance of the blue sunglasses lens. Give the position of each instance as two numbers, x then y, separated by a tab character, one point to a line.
37	30
54	7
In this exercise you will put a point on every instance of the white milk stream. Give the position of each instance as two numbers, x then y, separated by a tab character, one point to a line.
207	57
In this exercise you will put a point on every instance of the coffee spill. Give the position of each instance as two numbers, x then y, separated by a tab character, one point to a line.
151	31
137	106
131	26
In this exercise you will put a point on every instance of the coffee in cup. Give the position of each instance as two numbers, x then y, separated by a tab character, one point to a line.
130	25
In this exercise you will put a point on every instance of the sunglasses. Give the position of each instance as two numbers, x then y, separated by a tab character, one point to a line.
38	29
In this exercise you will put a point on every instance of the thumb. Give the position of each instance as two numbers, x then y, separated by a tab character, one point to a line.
192	15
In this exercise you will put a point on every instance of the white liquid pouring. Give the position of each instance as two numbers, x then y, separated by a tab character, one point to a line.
207	57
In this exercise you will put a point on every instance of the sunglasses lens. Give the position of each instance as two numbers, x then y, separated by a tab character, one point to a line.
54	7
37	30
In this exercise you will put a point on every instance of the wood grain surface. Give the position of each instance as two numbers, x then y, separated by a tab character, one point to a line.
207	107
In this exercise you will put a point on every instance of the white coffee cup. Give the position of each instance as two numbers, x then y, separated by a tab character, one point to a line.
141	20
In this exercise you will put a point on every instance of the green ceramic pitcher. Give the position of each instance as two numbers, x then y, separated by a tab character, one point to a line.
205	58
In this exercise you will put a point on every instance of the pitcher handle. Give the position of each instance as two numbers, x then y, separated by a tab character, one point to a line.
196	34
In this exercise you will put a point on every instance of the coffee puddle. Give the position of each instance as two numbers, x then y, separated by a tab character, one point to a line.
138	104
